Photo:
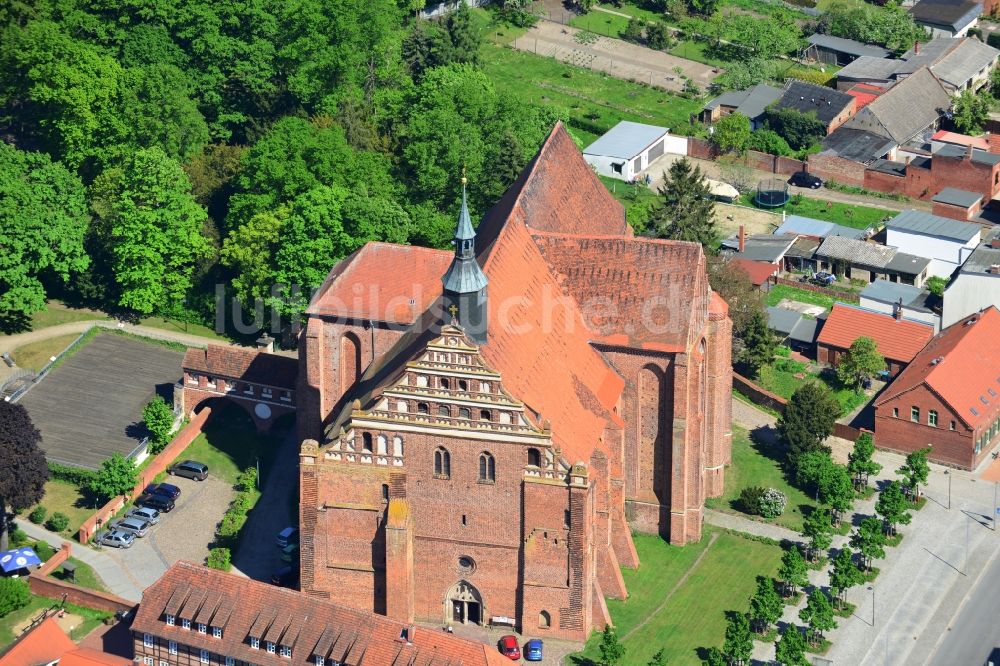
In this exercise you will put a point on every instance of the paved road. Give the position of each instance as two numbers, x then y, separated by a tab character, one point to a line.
974	633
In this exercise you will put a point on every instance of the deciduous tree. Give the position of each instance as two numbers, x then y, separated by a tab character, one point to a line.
731	133
869	540
757	344
861	363
818	614
159	420
23	470
893	506
915	471
791	648
793	572
808	419
844	574
738	645
117	476
818	528
612	651
766	605
859	461
686	210
800	130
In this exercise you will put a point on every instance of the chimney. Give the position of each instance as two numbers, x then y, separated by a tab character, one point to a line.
743	239
993	138
265	343
916	47
897	310
995	268
995	243
968	152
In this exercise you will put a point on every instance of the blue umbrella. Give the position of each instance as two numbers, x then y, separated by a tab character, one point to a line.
19	558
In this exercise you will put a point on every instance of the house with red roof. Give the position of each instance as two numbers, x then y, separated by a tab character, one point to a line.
485	427
47	644
948	397
898	339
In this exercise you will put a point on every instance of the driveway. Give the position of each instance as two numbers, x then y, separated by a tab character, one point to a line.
258	556
183	534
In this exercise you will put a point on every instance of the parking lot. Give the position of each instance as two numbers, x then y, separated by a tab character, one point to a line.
185	533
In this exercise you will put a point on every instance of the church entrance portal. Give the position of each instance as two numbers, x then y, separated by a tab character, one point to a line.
464	605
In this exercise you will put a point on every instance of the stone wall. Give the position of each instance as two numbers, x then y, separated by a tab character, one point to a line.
42	585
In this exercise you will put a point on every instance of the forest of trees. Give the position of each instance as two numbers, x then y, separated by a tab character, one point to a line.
151	149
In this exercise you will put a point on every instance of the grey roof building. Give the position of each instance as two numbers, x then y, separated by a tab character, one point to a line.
840	51
907	264
792	326
626	140
857	145
796	224
856	252
892	293
916	221
760	247
867	68
978	156
947	17
750	102
826	103
956	197
968	60
908	108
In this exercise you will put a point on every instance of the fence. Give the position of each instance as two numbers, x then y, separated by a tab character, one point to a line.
836	294
51	365
176	446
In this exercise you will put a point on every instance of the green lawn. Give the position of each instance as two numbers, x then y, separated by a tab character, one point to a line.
231	444
91	619
36	355
85	576
849	215
780	378
609	25
698	51
760	464
182	327
693	617
592	102
779	292
56	313
69	499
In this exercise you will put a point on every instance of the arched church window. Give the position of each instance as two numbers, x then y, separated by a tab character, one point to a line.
445	384
422	408
463	385
544	620
444	410
383	445
487	468
534	457
366	442
442	463
484	415
464	413
397	446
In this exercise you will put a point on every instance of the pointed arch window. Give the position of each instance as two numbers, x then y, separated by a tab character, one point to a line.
487	468
366	442
445	384
442	463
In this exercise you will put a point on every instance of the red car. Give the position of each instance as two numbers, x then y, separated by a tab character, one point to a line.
509	647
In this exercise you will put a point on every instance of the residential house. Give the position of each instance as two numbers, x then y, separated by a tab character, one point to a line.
957	204
946	242
759	272
977	283
766	248
794	329
897	339
46	644
839	51
750	102
943	138
864	93
628	148
194	614
858	260
947	18
948	397
801	256
831	107
968	169
868	70
894	298
807	226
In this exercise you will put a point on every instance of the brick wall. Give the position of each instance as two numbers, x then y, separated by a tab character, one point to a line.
949	447
51	588
964	174
760	161
831	167
956	212
757	394
176	446
701	149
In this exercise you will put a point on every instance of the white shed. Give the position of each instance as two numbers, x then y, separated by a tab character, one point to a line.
628	148
946	242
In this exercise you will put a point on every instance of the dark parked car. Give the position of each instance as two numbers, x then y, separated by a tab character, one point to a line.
806	179
287	536
191	469
290	553
167	490
509	648
161	503
533	650
287	576
116	538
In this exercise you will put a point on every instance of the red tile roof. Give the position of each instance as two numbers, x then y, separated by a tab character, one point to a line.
88	657
757	271
896	339
246	364
961	365
961	139
383	282
865	94
636	292
309	625
42	645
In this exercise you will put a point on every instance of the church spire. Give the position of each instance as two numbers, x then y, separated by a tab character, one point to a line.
464	282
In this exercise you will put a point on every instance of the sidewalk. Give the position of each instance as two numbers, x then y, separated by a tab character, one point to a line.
115	577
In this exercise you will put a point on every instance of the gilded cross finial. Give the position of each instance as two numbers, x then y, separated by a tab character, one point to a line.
464	179
453	309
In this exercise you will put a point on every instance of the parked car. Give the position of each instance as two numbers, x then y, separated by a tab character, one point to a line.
533	650
116	538
509	648
168	490
287	536
806	179
287	576
161	503
151	516
290	553
191	469
136	526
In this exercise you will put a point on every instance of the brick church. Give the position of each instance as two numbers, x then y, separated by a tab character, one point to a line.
484	427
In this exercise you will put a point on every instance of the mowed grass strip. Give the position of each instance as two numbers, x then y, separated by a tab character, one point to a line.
592	102
694	616
779	292
36	355
760	464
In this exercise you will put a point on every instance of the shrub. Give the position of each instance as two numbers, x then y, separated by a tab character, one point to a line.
37	515
14	594
220	558
772	503
750	499
57	522
17	537
43	550
78	477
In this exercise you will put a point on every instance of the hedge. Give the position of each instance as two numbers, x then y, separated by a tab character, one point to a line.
74	475
236	515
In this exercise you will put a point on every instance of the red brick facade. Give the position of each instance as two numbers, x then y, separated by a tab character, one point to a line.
572	425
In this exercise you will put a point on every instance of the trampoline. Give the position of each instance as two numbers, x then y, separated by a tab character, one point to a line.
771	193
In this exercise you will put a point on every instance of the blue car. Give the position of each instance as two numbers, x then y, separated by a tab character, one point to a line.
533	650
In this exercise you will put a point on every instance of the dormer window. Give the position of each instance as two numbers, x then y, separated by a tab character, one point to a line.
202	629
270	647
285	651
255	643
185	624
216	632
170	620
